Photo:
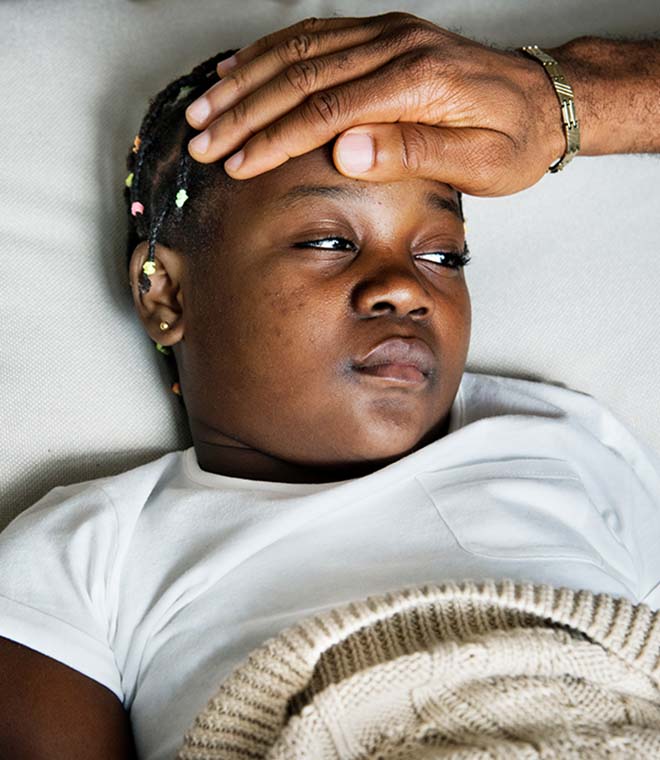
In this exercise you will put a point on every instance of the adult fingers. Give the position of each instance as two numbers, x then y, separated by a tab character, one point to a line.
290	89
307	26
381	96
475	161
289	56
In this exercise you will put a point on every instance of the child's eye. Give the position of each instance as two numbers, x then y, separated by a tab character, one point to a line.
313	243
449	259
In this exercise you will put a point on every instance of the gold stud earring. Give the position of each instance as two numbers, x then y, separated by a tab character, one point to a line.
164	326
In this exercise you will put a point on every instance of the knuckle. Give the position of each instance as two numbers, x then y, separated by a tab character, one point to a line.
238	80
390	43
415	149
418	65
272	135
267	42
397	17
238	116
302	76
297	48
414	33
324	107
311	24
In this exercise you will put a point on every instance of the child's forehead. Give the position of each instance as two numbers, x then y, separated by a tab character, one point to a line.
316	167
311	166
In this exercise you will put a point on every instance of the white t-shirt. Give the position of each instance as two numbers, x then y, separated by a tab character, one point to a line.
158	581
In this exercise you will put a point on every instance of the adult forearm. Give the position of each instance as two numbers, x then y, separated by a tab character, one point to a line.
617	93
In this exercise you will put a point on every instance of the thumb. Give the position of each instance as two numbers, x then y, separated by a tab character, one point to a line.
474	161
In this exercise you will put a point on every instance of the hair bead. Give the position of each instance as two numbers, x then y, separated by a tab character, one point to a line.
136	162
183	92
181	197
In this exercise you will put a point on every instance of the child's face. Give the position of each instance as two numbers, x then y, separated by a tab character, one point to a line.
271	331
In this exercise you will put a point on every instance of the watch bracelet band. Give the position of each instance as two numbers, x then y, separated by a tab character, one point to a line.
566	100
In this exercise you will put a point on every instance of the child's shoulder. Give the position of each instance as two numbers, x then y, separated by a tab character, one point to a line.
142	477
116	495
489	395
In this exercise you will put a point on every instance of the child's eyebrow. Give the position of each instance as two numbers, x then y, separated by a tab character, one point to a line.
438	202
433	201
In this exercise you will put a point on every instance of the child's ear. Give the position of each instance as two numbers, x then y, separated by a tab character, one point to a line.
163	302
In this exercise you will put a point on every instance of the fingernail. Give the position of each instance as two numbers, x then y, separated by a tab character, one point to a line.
227	63
233	162
356	152
198	110
200	143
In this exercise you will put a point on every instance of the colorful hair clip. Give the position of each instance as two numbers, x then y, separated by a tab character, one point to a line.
129	180
137	208
136	143
181	197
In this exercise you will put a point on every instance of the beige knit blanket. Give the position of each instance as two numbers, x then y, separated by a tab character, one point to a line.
495	669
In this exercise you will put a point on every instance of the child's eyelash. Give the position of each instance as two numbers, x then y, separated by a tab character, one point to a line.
311	243
456	259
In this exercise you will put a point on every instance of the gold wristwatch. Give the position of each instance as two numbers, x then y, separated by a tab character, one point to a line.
565	94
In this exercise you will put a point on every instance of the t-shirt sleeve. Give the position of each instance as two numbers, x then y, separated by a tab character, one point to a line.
56	561
643	511
636	493
640	497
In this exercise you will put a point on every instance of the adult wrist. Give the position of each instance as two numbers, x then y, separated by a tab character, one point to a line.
547	110
582	75
565	98
615	84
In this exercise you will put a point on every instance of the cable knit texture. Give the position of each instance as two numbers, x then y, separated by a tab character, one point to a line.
492	669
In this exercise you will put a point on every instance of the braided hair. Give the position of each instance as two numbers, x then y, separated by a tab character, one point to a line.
163	175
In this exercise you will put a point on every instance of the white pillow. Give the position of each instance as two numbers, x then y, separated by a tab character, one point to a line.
564	276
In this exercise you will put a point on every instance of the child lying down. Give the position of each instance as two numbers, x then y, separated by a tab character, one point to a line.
317	329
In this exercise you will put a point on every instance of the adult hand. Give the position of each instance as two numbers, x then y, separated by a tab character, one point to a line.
432	104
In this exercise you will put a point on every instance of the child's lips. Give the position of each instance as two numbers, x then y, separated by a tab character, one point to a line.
403	357
403	373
